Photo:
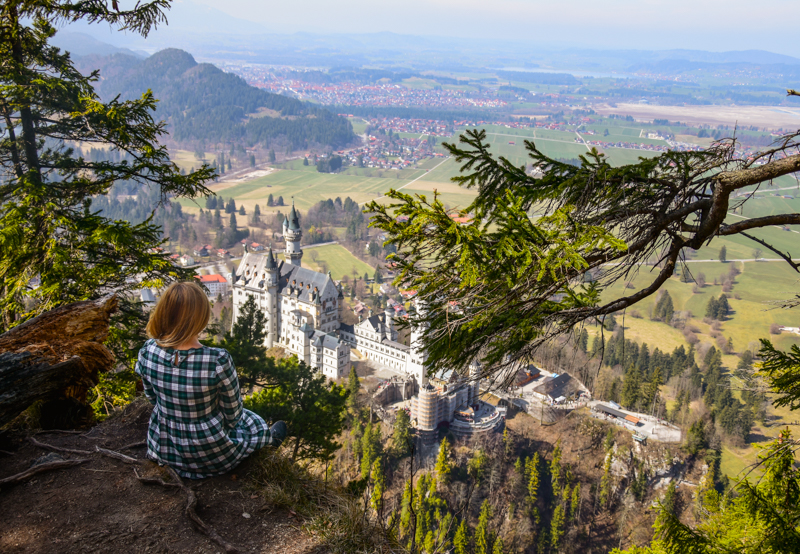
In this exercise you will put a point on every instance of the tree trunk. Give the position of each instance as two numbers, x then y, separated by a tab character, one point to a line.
55	356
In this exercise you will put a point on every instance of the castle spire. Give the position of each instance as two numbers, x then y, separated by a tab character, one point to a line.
271	263
293	233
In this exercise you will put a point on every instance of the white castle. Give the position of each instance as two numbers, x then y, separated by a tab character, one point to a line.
304	311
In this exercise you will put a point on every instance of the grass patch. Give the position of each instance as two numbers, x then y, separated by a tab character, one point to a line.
337	259
339	520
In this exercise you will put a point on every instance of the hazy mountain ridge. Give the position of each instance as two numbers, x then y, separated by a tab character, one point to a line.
200	102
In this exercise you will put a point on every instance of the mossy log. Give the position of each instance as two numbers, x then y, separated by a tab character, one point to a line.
57	355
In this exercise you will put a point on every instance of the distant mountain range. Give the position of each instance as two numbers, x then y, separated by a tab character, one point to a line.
214	35
203	104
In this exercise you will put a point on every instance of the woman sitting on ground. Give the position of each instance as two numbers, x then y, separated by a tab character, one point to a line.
199	426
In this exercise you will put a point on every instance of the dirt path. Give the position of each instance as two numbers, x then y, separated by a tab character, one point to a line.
100	506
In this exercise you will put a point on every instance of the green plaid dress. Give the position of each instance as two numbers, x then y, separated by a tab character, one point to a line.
198	426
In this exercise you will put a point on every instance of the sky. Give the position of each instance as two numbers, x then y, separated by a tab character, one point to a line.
715	25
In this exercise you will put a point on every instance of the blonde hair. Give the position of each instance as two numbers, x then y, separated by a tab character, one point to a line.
180	315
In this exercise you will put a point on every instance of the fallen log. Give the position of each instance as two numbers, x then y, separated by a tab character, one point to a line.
55	356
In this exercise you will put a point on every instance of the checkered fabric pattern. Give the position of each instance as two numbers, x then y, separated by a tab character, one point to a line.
198	426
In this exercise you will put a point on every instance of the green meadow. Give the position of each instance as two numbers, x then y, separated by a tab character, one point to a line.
336	259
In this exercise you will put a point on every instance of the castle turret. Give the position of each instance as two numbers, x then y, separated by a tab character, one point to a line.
340	306
271	300
417	356
292	234
475	370
388	315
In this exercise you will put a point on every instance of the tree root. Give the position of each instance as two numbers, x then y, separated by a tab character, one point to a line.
154	481
134	445
117	456
191	504
190	510
98	450
41	468
59	448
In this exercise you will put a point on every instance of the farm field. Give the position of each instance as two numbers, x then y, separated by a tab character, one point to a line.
745	116
751	317
186	160
306	187
364	184
336	259
359	124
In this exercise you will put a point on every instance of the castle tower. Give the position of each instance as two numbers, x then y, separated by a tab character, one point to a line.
292	234
474	381
271	286
388	314
416	354
339	307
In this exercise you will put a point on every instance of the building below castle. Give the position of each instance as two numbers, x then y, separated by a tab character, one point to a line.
454	403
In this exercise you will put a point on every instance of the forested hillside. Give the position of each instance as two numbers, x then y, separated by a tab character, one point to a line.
203	104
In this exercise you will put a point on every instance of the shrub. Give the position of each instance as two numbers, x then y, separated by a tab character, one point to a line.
774	329
690	337
341	521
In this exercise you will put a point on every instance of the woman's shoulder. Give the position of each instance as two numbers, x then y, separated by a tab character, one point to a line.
217	354
149	347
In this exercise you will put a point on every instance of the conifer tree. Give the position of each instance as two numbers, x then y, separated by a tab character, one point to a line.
49	228
508	443
498	546
597	345
583	340
401	434
631	388
370	448
313	409
532	472
353	386
723	307
650	389
405	509
664	309
245	343
557	527
483	535
723	254
378	486
576	501
555	466
461	542
443	465
605	481
712	308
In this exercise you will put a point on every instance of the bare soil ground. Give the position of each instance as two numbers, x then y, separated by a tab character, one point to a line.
100	506
771	117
